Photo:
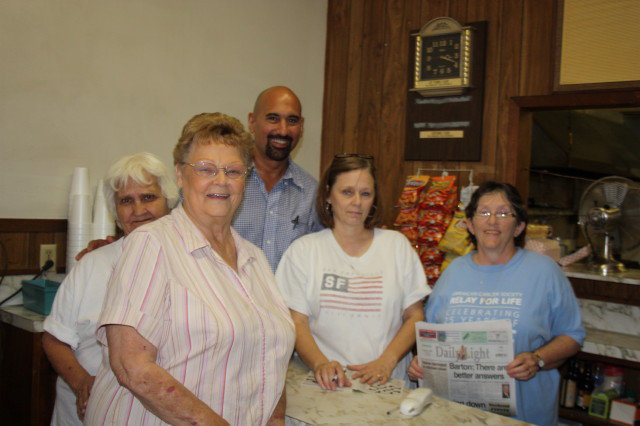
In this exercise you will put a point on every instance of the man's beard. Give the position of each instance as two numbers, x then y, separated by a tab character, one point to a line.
279	154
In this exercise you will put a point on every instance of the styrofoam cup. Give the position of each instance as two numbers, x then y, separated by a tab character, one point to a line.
80	181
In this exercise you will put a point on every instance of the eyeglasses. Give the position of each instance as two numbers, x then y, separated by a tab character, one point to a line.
206	169
345	155
498	215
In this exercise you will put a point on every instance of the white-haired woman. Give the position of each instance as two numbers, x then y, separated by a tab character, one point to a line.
138	189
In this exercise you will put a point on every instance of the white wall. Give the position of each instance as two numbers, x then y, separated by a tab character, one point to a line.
83	82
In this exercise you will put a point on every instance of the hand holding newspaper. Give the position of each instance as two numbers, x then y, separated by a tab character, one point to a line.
466	363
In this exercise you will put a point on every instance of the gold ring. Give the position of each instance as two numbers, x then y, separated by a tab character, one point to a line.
378	375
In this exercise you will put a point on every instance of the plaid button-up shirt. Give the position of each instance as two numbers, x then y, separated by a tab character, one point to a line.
273	220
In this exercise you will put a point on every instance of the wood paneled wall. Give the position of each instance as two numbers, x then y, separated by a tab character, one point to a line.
366	80
20	241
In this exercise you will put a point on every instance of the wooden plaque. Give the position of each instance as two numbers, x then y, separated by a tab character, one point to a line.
447	128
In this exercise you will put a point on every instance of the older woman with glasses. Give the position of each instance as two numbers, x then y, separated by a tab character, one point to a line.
138	189
193	322
355	291
531	290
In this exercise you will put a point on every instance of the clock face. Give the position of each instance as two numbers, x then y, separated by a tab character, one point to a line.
442	63
440	57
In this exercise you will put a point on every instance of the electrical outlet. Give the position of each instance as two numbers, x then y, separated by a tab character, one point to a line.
48	252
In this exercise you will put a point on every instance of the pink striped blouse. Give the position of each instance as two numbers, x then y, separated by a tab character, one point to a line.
226	336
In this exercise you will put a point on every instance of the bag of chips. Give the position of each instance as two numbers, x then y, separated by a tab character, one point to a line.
438	193
438	219
430	236
433	273
407	216
456	238
411	232
412	189
430	255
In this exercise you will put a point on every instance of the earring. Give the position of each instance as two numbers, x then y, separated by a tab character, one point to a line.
328	207
372	210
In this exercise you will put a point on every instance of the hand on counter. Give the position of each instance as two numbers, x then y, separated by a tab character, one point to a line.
378	370
330	375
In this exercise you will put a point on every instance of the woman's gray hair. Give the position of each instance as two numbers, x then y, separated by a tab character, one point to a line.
138	168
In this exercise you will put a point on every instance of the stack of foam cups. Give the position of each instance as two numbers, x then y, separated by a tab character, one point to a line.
79	228
103	224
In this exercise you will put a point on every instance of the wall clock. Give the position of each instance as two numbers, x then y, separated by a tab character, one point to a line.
446	88
443	60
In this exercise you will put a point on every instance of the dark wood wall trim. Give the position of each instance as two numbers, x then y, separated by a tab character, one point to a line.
33	225
615	99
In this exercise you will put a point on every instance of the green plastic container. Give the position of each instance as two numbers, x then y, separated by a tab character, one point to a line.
38	295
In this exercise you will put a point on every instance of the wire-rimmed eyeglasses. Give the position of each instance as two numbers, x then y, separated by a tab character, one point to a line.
485	214
346	155
206	169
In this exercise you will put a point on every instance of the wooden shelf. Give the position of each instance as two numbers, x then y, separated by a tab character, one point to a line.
578	415
27	380
585	356
631	373
606	291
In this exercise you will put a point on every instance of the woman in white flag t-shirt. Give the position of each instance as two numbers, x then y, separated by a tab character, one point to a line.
355	291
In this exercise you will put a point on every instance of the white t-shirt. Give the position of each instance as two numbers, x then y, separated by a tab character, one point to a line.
354	305
74	318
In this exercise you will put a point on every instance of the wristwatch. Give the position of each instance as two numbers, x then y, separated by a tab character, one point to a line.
540	360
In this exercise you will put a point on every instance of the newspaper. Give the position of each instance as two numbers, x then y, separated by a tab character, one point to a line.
466	363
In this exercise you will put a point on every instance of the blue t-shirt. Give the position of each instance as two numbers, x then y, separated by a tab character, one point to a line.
533	293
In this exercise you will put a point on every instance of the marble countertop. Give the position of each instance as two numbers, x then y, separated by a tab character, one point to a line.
20	317
313	405
611	344
580	270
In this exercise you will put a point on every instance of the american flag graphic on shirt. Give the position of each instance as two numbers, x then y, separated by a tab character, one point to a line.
355	294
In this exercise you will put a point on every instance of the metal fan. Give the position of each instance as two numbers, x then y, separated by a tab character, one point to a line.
609	215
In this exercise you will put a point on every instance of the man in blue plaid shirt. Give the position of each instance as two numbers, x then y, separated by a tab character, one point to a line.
279	198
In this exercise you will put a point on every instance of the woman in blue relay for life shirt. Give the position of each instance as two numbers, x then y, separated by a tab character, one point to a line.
503	281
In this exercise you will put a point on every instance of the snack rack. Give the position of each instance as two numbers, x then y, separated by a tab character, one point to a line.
445	172
427	208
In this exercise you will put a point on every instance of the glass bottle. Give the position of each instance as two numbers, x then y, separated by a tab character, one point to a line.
571	389
585	387
598	375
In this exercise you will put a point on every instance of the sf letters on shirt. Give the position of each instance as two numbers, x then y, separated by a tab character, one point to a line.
335	282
